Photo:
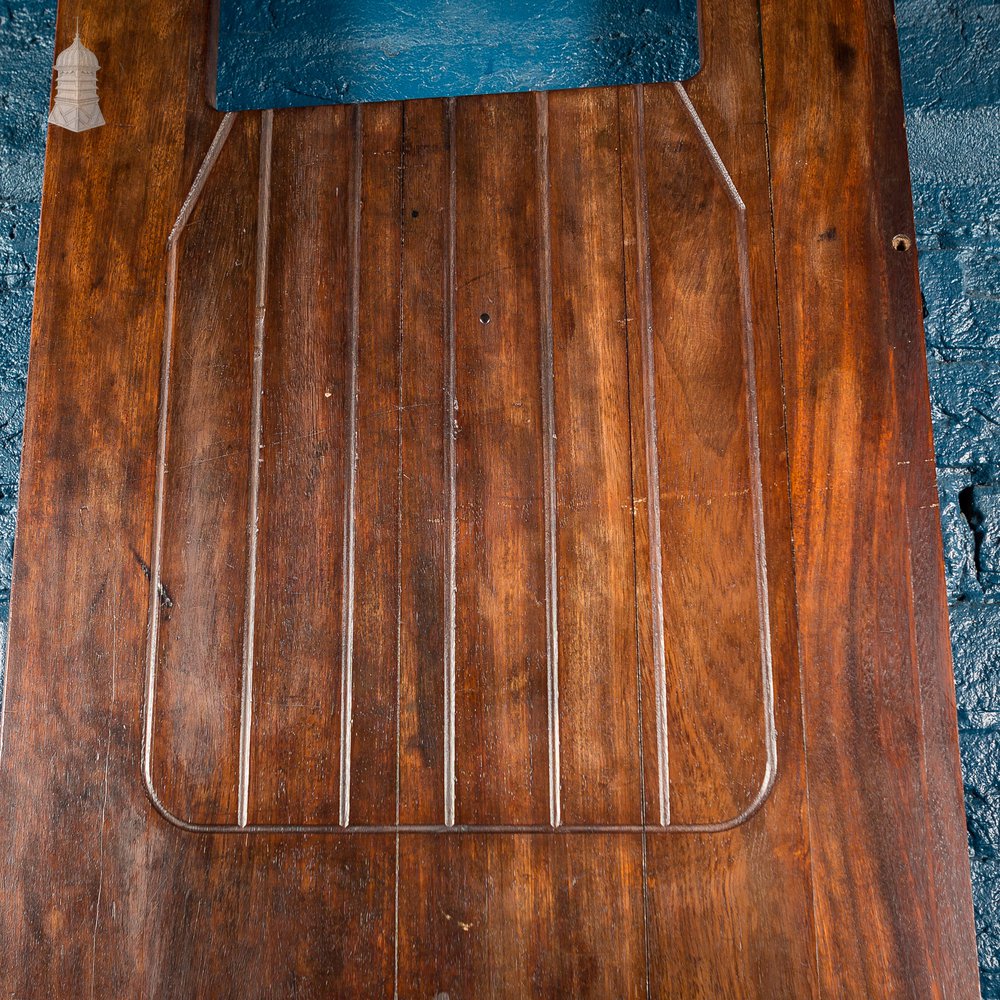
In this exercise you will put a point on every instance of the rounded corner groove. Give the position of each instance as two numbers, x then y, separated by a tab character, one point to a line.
343	825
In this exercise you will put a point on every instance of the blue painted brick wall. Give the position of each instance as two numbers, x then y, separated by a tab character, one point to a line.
951	76
290	53
26	37
950	52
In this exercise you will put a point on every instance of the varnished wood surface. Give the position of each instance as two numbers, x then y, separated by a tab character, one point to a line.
587	377
402	435
885	802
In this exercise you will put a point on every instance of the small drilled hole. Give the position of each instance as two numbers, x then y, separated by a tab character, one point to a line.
901	243
484	319
414	214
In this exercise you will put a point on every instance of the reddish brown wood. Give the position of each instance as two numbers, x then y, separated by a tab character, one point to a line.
536	916
101	896
307	345
423	489
717	936
376	503
886	824
205	555
468	307
698	385
500	616
595	557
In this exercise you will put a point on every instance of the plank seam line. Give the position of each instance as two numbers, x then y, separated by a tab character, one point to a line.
253	499
775	294
350	485
451	479
400	354
629	322
652	461
549	465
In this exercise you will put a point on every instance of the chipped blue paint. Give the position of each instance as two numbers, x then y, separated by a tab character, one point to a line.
290	53
951	80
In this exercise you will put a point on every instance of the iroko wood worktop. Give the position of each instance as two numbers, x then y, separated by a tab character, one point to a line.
484	548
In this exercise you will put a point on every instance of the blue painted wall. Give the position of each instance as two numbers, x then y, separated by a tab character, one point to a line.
27	28
289	53
951	76
950	52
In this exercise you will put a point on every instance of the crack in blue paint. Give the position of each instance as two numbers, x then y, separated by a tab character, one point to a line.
290	53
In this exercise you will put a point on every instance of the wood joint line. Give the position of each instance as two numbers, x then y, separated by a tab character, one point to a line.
253	500
451	478
350	484
652	461
549	466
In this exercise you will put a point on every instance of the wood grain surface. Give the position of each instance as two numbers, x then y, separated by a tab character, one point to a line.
878	694
513	447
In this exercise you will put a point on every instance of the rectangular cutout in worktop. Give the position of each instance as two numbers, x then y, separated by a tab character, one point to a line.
298	53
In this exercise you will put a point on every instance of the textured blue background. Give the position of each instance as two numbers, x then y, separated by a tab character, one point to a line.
26	34
289	53
950	52
951	77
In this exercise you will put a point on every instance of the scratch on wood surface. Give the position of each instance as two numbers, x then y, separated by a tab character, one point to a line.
166	601
104	800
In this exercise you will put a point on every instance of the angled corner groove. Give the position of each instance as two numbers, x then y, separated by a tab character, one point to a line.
449	823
